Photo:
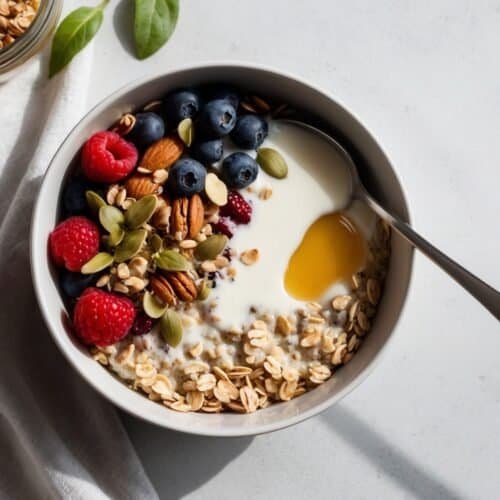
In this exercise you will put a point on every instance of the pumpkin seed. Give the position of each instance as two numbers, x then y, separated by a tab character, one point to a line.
152	307
211	247
185	131
169	260
110	218
272	162
171	328
131	245
116	236
94	201
97	263
215	189
156	242
204	291
141	211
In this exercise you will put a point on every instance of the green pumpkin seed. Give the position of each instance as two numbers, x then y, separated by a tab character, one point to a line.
156	242
169	260
272	162
152	307
110	218
131	245
116	236
185	131
141	211
97	263
171	328
94	201
204	291
211	247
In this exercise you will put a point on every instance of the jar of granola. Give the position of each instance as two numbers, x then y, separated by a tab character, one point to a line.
25	27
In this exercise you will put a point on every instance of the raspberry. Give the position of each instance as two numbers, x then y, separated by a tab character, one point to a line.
142	325
237	208
102	318
74	242
106	157
224	226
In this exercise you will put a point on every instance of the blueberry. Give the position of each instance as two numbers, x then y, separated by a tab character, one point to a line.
186	177
226	93
208	152
73	198
73	284
217	118
149	127
179	105
249	131
239	170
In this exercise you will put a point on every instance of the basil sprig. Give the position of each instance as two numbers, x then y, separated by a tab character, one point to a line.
154	23
73	34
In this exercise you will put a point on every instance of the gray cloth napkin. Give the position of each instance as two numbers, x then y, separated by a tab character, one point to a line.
58	437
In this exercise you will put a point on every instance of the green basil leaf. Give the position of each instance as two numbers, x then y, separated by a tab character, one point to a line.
73	34
154	23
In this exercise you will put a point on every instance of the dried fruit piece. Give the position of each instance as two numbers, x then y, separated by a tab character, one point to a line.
152	307
215	189
170	260
171	328
97	263
211	247
141	211
163	153
272	162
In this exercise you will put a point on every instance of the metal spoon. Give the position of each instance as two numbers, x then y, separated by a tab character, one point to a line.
485	294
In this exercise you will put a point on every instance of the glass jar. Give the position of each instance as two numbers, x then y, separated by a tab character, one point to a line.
15	55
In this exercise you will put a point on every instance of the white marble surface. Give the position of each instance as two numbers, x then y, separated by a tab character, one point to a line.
424	77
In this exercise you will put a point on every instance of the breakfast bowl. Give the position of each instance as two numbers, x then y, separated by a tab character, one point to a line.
334	119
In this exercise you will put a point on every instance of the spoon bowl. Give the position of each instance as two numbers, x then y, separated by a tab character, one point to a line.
484	293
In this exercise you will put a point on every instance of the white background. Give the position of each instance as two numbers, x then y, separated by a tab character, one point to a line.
424	76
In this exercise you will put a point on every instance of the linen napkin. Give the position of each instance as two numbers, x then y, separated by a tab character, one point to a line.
58	437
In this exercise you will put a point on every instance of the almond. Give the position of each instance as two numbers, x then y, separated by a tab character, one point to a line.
140	185
163	290
163	153
183	285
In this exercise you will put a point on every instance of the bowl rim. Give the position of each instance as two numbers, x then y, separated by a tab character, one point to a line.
255	429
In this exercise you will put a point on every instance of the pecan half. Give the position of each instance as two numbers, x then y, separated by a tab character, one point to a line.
187	217
140	185
183	285
163	289
196	215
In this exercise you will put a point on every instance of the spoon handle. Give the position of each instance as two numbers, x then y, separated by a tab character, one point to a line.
485	294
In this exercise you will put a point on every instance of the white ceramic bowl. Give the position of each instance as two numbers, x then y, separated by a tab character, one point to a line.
265	82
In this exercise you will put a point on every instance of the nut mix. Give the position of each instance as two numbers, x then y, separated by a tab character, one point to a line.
157	239
15	18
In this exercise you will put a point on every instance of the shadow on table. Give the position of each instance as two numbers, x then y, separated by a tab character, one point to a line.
178	463
393	462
